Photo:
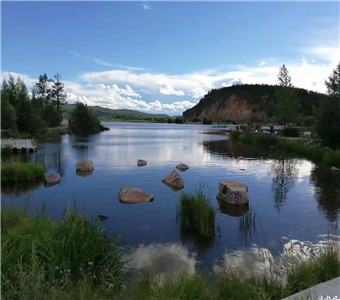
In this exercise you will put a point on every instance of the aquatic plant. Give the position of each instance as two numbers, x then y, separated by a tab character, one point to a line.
20	172
247	225
196	213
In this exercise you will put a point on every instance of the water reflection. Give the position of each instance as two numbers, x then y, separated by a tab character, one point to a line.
196	242
232	210
285	173
163	259
18	189
327	191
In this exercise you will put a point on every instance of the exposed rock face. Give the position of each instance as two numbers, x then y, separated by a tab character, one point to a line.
174	181
233	192
133	195
85	165
141	162
182	167
51	179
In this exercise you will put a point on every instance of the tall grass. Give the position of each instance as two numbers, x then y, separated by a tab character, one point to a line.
306	148
196	213
41	256
247	225
21	172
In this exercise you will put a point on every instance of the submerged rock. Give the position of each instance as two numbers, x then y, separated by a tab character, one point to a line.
51	179
174	181
85	165
182	167
133	195
141	162
233	192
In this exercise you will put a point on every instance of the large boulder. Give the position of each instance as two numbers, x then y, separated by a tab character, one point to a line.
85	165
233	192
51	179
133	195
141	162
174	181
182	167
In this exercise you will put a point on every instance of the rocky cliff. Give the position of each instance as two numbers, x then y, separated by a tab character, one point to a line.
245	103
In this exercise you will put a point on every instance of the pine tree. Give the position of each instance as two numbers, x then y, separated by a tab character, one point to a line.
58	94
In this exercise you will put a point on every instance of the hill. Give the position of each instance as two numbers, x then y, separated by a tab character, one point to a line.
246	103
119	114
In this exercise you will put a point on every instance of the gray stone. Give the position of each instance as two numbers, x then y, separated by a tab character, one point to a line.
51	179
85	165
334	169
174	181
182	167
141	162
233	192
133	195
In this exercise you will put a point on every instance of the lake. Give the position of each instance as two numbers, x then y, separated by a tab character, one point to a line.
295	203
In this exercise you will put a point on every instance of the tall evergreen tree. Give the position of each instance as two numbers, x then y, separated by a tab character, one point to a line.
287	104
58	95
328	114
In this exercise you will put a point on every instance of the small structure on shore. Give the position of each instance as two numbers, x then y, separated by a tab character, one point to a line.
233	192
19	145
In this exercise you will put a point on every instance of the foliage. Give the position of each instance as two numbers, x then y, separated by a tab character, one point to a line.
8	114
328	113
58	97
19	172
291	132
40	256
284	77
83	120
196	213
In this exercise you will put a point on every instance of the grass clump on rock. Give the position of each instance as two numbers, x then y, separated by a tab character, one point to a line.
21	172
196	213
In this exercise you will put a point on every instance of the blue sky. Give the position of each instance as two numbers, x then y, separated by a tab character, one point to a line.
163	57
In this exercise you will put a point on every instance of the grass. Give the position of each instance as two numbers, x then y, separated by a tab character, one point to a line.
74	259
21	172
309	149
247	225
42	257
196	213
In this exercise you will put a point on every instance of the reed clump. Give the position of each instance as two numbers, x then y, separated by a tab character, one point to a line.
21	172
196	213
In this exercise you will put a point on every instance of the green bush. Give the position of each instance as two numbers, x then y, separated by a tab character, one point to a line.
196	213
19	172
291	132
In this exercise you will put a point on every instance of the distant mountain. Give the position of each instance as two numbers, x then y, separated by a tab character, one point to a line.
246	103
118	114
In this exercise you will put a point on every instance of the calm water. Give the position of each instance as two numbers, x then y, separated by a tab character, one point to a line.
295	202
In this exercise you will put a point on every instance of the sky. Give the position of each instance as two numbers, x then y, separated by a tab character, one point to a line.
163	57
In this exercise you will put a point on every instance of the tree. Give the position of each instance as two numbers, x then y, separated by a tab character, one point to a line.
83	121
8	114
58	95
287	103
328	113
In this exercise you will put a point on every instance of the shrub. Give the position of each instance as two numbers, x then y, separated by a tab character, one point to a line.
196	213
19	172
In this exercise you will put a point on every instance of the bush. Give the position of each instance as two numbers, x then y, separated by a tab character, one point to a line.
83	121
291	132
197	214
19	172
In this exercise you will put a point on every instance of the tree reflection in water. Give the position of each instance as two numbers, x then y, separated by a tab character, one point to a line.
285	174
327	193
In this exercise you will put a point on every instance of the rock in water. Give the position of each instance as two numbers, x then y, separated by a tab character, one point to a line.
85	165
141	162
133	195
233	192
182	167
174	181
52	179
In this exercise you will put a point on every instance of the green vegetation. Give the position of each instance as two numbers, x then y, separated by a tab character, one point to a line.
310	149
44	259
197	214
29	115
21	172
83	120
74	259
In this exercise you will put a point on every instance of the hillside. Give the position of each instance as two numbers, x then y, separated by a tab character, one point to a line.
118	114
246	103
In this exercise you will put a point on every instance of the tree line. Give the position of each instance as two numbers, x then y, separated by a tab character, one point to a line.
30	114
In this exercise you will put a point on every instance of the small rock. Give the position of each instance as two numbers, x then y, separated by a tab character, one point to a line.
85	165
174	181
233	192
51	179
141	162
102	217
182	167
133	195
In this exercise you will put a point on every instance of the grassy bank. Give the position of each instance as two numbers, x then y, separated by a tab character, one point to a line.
74	259
307	148
13	172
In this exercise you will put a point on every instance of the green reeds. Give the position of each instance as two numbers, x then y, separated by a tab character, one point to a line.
40	255
247	225
20	172
196	213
